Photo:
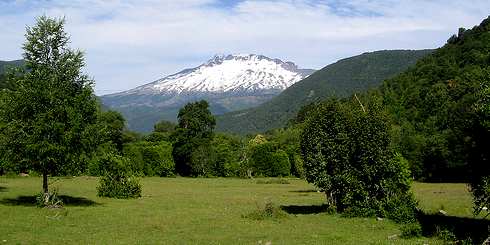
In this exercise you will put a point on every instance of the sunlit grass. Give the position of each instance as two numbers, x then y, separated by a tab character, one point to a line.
199	211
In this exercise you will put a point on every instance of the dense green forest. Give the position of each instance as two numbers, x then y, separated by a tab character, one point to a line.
434	107
355	74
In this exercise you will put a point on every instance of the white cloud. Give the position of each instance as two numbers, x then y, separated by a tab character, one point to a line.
128	43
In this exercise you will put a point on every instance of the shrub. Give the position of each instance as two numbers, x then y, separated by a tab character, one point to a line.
117	181
411	230
346	153
268	211
49	200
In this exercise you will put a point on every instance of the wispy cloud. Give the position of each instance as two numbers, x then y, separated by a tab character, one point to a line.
128	43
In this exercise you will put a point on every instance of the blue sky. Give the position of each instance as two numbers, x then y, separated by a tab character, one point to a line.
129	43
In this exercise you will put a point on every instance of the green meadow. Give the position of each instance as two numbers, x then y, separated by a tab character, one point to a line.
202	211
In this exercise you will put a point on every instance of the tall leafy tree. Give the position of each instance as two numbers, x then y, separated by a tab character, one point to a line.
193	134
49	113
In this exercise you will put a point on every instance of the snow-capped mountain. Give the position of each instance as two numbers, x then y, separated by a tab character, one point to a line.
227	82
231	73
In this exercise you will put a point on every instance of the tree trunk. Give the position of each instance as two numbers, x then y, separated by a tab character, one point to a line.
45	182
45	187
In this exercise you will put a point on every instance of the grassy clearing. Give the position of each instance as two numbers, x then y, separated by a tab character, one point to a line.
200	211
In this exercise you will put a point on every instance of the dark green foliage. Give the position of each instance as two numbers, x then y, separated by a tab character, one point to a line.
48	116
150	159
7	67
436	126
193	135
162	131
268	160
288	140
411	230
164	127
480	170
228	151
358	73
346	153
111	125
95	165
117	180
130	136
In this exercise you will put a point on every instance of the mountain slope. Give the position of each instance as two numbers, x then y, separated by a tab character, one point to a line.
342	78
4	65
439	108
229	83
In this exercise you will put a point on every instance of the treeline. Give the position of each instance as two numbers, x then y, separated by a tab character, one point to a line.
192	148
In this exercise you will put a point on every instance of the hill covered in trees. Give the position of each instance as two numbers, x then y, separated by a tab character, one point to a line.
5	65
355	74
440	108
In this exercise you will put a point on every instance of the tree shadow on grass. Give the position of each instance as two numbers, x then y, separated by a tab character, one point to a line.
308	209
304	191
461	227
3	189
31	201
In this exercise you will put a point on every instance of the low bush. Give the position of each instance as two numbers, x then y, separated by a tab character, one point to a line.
411	230
49	200
268	211
117	181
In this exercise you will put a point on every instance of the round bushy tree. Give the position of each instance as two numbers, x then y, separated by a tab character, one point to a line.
346	154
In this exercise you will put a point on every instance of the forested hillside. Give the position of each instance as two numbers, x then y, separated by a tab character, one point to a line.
340	79
440	108
4	65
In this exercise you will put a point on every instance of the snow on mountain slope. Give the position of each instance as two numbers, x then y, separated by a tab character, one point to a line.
231	73
228	83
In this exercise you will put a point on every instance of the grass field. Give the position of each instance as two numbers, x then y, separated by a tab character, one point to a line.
200	211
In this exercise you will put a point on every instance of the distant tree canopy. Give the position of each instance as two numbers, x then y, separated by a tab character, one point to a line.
193	135
50	111
164	127
346	153
112	127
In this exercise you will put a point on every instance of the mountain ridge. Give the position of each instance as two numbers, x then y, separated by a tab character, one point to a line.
228	82
339	79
